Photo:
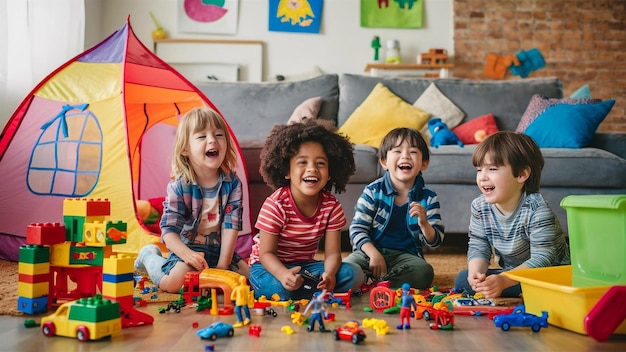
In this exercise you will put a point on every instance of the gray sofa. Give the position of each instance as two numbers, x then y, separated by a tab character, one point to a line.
251	110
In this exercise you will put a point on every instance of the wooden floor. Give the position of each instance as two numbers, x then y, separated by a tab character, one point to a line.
175	332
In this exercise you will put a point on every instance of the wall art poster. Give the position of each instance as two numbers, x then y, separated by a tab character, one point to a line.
303	16
392	13
208	16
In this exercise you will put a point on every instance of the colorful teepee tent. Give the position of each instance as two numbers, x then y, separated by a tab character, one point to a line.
101	126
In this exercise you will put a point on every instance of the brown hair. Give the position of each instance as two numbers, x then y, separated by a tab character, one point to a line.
284	142
195	120
396	136
515	149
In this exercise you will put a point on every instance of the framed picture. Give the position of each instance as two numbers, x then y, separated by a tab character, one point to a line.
303	16
208	16
392	14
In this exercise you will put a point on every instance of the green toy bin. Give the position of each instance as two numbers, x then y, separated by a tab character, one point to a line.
597	236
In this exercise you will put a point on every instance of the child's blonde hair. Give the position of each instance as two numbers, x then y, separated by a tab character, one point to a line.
196	120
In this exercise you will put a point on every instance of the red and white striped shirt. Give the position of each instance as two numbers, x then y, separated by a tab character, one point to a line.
299	236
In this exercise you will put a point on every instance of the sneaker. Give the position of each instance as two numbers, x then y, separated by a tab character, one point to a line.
145	251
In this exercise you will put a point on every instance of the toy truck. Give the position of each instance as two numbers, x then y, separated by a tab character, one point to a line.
86	319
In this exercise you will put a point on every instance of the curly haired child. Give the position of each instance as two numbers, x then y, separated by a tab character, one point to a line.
302	162
510	217
202	211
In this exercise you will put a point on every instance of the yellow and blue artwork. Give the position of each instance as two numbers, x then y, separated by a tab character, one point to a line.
295	15
392	13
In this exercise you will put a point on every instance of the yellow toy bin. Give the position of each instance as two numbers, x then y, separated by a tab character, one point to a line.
550	289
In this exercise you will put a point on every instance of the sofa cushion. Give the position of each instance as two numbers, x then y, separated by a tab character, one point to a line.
379	113
252	109
538	104
563	167
568	125
307	110
438	105
506	100
476	130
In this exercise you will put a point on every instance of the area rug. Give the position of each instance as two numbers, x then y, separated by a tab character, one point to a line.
447	263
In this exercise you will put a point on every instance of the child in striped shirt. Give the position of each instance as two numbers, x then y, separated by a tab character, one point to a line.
509	216
302	162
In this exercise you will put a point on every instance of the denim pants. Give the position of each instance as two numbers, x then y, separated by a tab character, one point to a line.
462	285
265	284
211	255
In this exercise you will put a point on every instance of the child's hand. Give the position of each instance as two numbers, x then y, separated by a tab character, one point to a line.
419	210
291	279
378	266
474	278
195	260
492	286
328	282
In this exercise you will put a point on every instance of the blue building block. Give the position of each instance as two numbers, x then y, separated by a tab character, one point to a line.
530	60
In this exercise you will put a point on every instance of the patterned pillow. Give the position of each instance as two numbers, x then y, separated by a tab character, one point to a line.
539	104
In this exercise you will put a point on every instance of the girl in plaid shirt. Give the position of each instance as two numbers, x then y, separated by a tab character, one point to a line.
202	211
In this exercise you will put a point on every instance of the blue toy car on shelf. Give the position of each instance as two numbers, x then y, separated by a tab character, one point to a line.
519	317
215	330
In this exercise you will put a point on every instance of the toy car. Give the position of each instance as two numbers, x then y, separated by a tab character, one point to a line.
215	330
519	317
349	331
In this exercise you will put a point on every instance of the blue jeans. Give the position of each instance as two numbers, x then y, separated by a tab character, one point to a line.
211	255
265	284
461	285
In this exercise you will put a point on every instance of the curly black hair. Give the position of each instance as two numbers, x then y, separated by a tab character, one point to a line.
284	142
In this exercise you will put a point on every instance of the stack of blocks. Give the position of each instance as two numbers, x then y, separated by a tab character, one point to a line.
53	253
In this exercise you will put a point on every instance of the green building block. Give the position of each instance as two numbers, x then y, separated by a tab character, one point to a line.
34	254
94	309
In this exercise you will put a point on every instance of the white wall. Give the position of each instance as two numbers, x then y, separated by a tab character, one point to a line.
342	46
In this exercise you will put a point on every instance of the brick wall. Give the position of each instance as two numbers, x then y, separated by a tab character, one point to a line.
582	42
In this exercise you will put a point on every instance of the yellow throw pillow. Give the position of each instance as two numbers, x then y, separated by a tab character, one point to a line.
381	112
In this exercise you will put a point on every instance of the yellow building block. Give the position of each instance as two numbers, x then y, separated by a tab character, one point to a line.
86	207
119	264
119	289
94	234
40	289
60	254
33	269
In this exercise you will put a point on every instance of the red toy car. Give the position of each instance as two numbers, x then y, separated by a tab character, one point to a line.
350	331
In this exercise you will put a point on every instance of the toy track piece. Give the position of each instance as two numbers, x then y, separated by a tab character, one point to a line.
607	314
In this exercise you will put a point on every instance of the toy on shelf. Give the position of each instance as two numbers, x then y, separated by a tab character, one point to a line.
350	331
519	317
376	46
215	330
241	296
393	52
86	319
407	303
433	56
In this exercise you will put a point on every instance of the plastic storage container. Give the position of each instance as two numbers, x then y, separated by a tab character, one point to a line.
550	289
597	235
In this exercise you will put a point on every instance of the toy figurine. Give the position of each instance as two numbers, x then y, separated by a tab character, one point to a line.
317	306
407	302
376	46
241	295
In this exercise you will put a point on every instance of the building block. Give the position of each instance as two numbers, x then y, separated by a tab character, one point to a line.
25	289
116	232
45	233
94	234
34	254
95	309
60	254
86	207
88	281
33	269
33	279
118	278
120	289
118	264
32	305
88	255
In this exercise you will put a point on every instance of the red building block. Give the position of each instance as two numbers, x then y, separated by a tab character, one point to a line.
45	233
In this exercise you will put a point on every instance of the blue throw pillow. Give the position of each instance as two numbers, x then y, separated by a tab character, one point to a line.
582	92
568	126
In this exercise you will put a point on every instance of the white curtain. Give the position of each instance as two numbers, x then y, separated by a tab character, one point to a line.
36	37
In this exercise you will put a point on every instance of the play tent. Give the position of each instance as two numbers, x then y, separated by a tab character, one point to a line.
100	126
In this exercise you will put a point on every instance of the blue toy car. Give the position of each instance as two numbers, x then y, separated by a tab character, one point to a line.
519	317
215	330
